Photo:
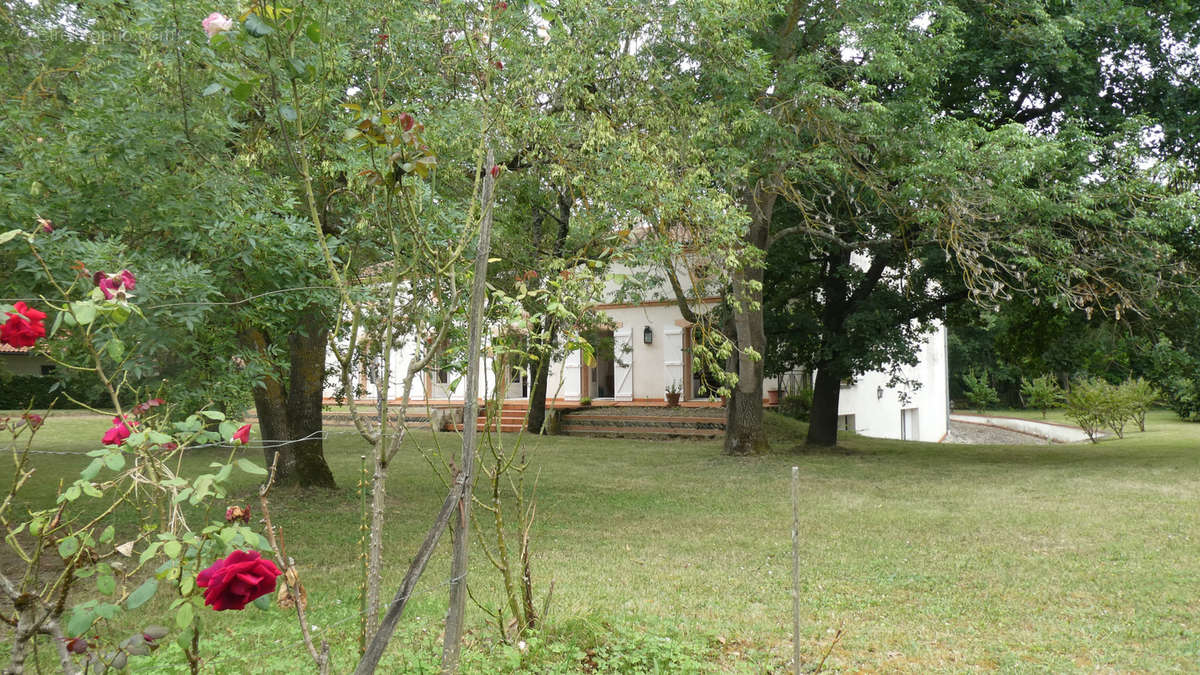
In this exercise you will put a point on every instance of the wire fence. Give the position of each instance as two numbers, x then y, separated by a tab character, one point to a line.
261	444
318	632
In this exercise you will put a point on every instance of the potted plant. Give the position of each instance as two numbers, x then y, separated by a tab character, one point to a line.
673	393
585	401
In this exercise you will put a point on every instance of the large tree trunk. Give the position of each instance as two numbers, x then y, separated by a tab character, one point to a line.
744	433
306	349
823	419
270	401
294	412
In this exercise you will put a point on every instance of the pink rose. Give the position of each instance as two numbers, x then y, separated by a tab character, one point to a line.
238	580
242	435
216	23
116	434
115	285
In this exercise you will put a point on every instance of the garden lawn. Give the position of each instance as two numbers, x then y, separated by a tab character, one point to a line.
930	558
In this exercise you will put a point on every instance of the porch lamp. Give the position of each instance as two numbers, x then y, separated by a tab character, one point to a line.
879	392
648	336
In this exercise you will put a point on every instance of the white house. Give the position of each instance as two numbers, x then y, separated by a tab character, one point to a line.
870	406
651	350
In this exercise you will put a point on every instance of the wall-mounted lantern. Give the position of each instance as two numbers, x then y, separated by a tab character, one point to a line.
879	392
648	336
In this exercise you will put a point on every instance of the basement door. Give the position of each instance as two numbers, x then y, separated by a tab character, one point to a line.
908	425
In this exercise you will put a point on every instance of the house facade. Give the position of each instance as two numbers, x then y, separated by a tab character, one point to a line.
24	361
645	347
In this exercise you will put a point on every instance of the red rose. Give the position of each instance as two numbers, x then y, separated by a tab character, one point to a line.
117	433
242	434
495	171
24	326
238	580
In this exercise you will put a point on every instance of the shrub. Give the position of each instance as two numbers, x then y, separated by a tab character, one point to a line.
1042	393
1138	397
31	391
1085	403
978	391
1177	376
797	404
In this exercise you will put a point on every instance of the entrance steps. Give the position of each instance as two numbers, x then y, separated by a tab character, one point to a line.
644	422
604	419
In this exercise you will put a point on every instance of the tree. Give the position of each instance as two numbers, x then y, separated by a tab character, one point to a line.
857	137
120	147
1041	392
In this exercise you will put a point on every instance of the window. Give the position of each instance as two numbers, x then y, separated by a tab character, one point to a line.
845	422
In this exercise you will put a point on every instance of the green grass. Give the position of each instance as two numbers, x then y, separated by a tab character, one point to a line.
932	558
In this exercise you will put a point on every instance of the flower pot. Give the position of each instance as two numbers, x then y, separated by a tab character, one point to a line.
673	400
772	397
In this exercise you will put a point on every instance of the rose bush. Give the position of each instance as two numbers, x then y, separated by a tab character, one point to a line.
236	581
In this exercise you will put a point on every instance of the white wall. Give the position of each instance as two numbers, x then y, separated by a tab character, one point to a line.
29	363
881	416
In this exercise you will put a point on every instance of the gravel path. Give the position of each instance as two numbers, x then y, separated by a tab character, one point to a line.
981	434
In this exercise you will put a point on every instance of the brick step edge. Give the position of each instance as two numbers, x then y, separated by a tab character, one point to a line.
627	424
633	419
654	431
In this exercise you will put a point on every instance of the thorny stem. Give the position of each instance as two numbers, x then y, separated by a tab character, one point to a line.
285	564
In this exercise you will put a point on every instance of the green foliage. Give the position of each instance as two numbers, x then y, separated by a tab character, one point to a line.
1137	397
1176	374
1041	392
1095	403
979	391
642	653
21	391
1091	403
797	404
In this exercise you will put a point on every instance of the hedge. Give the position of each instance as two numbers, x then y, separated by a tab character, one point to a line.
19	391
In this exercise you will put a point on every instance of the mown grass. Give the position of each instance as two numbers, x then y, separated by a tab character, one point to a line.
931	558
